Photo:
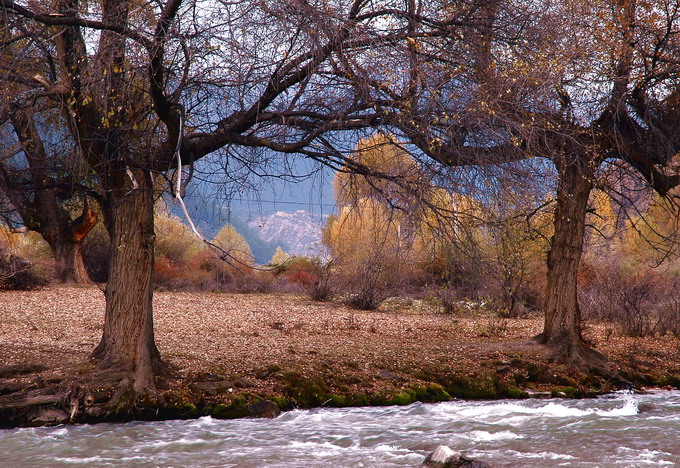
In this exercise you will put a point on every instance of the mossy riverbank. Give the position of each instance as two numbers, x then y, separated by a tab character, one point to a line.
28	400
254	355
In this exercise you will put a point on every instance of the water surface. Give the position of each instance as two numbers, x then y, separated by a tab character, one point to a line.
620	430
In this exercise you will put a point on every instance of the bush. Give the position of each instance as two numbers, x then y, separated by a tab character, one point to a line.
367	284
669	315
185	262
16	272
448	299
174	240
312	276
25	260
320	286
168	275
233	247
638	303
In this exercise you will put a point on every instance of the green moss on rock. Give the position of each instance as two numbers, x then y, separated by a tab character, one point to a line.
431	393
513	392
237	408
339	401
283	403
307	392
357	399
402	398
473	387
570	392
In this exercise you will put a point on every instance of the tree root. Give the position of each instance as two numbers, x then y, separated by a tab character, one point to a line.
579	355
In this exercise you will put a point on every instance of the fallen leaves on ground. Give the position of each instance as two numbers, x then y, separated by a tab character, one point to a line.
241	334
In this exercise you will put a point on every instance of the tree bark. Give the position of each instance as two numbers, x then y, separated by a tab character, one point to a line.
127	345
562	328
66	242
69	267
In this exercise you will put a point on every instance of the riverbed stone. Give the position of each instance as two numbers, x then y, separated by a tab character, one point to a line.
49	417
264	409
531	393
444	457
243	382
212	388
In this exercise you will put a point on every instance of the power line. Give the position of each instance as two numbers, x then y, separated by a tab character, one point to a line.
328	205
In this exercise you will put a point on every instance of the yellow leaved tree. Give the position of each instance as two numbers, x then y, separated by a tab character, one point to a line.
234	248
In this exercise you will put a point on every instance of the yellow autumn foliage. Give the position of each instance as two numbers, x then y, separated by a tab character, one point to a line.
383	155
363	230
175	240
602	217
279	258
653	236
29	244
234	246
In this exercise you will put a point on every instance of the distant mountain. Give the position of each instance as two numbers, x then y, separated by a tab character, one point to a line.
298	232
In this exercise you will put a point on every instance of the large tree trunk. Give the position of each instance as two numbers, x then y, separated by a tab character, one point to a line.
66	242
69	267
40	207
562	329
127	345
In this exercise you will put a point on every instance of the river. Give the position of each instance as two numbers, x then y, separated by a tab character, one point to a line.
622	430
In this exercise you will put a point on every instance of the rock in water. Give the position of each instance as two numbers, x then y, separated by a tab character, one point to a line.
444	457
440	457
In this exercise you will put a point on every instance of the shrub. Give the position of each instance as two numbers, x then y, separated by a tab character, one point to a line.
367	284
185	262
318	285
16	272
169	275
312	276
234	248
448	299
25	260
638	303
669	314
280	260
174	240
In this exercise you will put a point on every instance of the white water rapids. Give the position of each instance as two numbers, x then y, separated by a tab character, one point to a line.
619	430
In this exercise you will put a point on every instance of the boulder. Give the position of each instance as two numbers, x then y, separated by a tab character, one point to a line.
444	457
49	417
264	409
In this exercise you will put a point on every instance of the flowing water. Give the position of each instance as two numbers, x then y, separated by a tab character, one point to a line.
622	430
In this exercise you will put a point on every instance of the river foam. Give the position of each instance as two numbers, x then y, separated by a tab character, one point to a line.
528	433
